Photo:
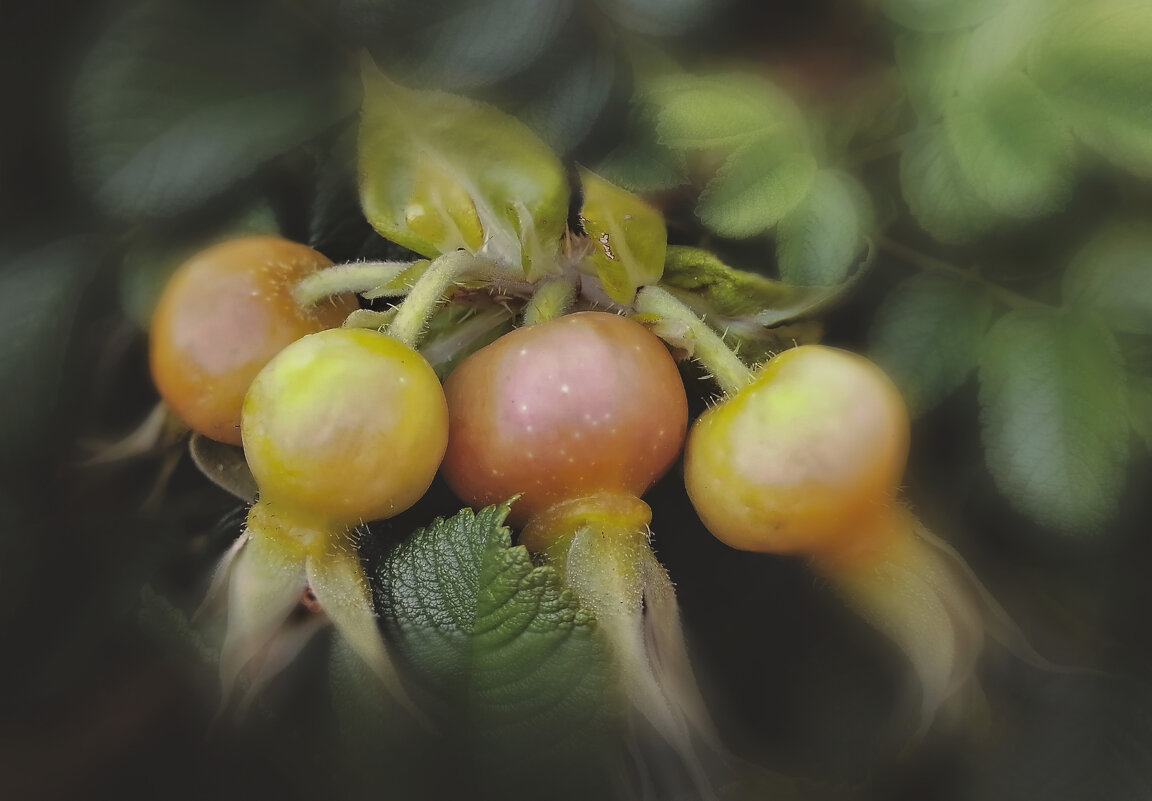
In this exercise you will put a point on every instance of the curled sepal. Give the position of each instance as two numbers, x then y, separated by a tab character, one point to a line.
920	593
440	172
616	576
341	588
265	582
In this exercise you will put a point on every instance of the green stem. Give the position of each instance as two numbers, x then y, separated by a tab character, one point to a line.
552	298
931	264
427	293
354	277
680	325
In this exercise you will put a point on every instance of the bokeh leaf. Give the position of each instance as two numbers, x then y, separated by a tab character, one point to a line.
628	237
487	41
819	240
759	184
441	172
1055	418
565	111
927	336
40	293
498	638
1113	275
658	17
937	192
1095	62
1140	406
699	112
1012	146
643	163
940	15
180	100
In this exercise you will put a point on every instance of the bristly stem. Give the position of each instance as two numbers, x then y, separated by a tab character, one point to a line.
352	277
428	292
552	298
679	325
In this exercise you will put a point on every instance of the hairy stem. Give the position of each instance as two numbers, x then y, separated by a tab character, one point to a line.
552	298
428	292
354	277
679	325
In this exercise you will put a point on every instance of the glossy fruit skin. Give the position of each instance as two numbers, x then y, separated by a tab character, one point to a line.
223	314
344	426
587	403
805	459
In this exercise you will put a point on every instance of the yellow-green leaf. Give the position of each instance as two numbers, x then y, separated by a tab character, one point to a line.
628	237
440	172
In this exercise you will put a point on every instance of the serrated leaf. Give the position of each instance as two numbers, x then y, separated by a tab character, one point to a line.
628	237
1054	416
756	187
937	192
564	113
819	240
180	100
1095	61
1012	146
440	172
927	336
698	112
720	290
940	15
152	257
490	40
497	637
1113	275
40	293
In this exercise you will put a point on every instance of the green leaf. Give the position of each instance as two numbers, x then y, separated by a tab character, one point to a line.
817	243
490	40
756	187
497	638
153	256
441	172
642	163
1055	418
40	294
1012	146
178	101
1113	275
699	112
937	192
932	66
927	336
720	290
940	15
1095	61
628	237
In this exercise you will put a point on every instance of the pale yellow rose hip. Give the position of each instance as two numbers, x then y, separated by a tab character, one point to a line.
345	426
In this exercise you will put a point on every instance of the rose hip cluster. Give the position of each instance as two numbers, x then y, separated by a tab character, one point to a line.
576	417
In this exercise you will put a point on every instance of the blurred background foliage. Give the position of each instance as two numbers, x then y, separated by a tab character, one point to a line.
970	176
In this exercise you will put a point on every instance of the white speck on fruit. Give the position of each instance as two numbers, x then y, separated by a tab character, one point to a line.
564	388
